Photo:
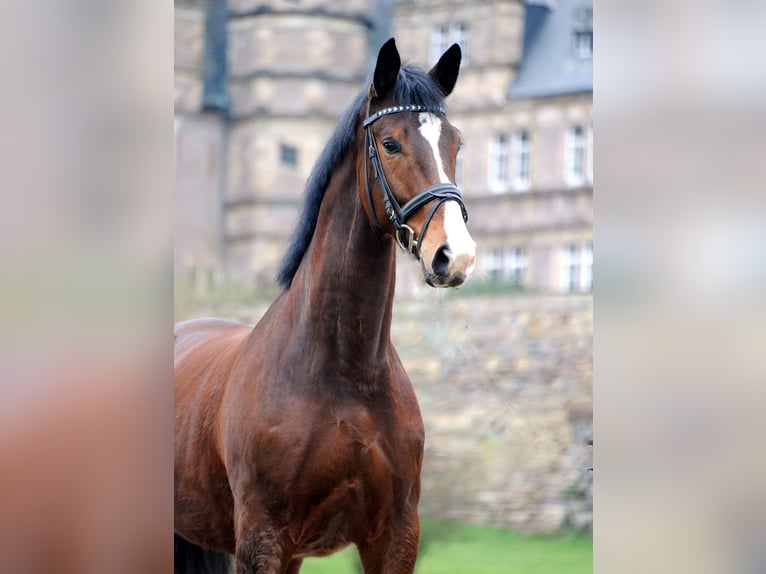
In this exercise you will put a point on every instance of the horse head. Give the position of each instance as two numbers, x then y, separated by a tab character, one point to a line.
408	166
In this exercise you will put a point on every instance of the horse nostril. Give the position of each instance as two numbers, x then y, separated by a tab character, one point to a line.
441	261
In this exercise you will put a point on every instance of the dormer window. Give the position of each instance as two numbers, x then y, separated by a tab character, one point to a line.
583	44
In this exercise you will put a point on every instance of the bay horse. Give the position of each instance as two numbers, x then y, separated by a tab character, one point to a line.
301	435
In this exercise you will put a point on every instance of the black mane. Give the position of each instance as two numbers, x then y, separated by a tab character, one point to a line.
413	86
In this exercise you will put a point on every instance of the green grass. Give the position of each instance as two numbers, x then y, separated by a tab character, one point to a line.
462	549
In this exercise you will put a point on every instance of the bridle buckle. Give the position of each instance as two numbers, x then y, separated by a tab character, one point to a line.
409	244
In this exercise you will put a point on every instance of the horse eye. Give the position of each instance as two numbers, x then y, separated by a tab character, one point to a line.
392	146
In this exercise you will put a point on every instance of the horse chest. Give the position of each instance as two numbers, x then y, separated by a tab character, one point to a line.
365	477
337	477
348	458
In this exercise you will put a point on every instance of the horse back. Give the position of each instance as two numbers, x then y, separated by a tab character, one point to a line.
204	354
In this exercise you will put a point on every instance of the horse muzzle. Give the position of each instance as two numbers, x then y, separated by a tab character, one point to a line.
448	267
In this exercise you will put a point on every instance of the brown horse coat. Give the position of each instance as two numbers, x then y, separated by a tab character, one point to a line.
302	434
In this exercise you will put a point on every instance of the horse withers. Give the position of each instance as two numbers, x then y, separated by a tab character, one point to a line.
301	435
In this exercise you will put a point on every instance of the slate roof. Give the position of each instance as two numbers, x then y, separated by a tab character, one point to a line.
549	66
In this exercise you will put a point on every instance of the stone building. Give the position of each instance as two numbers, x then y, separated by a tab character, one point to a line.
524	105
260	84
504	383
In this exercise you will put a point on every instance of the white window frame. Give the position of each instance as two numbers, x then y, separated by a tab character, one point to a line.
493	264
498	163
574	156
443	35
515	265
521	160
571	268
461	34
438	41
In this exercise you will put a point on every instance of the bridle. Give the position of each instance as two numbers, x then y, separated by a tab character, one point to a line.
441	192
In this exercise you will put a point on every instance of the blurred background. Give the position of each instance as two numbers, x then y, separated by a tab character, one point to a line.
87	302
502	366
259	86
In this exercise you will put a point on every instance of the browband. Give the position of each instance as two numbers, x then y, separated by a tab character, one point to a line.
397	109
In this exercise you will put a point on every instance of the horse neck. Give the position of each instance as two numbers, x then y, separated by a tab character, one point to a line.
344	288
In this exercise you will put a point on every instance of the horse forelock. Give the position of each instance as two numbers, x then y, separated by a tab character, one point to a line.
413	86
416	87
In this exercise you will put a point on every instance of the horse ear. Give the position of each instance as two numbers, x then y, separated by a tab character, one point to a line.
447	68
386	70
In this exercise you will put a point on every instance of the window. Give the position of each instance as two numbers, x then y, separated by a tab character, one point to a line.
438	42
571	268
577	268
498	163
582	40
583	44
520	160
506	265
462	35
493	264
515	265
288	154
442	36
574	164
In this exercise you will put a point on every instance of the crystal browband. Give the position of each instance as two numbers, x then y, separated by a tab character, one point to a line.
397	109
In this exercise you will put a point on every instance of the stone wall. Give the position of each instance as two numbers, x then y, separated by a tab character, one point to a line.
504	384
505	389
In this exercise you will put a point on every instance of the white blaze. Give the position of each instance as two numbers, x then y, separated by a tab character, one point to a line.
431	130
462	248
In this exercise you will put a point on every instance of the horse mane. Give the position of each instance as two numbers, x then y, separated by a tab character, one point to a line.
413	86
